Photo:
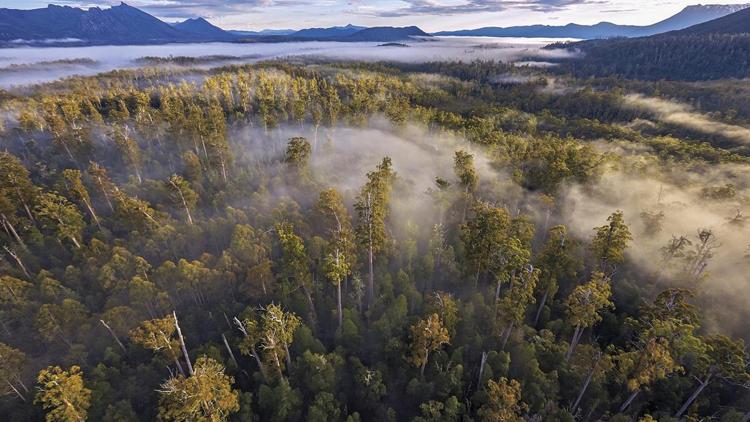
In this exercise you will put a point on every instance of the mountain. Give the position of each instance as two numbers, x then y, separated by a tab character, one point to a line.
717	49
736	23
572	30
265	32
385	34
117	25
350	33
332	32
203	29
689	16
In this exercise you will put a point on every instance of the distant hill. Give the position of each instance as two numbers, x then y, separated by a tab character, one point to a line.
332	32
118	24
386	34
203	29
600	30
376	34
265	32
689	16
712	50
736	23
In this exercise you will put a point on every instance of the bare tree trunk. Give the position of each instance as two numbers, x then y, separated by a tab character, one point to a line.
182	344
288	357
184	202
370	279
586	383
15	390
573	342
693	396
93	214
630	399
179	366
541	307
18	261
229	349
506	335
7	223
424	364
481	370
113	335
311	304
338	299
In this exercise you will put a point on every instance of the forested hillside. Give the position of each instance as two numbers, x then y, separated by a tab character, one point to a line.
370	242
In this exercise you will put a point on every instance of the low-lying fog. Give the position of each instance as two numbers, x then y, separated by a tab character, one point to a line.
39	62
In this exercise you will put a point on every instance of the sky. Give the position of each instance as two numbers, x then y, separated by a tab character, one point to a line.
430	15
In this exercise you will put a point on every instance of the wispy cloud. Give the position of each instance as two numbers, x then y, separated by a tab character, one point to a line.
440	7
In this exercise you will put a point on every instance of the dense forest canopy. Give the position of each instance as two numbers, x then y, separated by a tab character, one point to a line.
373	241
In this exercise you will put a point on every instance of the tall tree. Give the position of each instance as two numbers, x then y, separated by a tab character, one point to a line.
340	257
63	394
182	195
585	304
610	242
12	363
725	360
503	402
78	192
427	335
295	265
57	213
207	395
372	208
463	166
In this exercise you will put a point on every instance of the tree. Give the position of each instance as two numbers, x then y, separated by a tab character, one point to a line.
427	335
78	192
252	249
650	362
15	184
511	308
463	166
207	395
372	208
336	270
12	362
182	195
295	265
503	402
483	236
63	394
610	242
272	334
130	153
340	257
57	213
159	336
725	360
585	304
557	262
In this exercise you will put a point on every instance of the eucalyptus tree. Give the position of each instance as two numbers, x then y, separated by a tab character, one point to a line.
372	208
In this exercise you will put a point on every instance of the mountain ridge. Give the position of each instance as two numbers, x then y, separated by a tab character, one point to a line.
688	16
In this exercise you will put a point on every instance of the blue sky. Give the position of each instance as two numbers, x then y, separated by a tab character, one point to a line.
431	15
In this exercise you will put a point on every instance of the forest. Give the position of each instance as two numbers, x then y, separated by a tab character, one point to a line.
683	58
347	241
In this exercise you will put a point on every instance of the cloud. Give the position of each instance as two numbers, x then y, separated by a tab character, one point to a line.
440	7
190	8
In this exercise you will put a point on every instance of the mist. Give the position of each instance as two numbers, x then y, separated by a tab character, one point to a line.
685	116
679	194
119	57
